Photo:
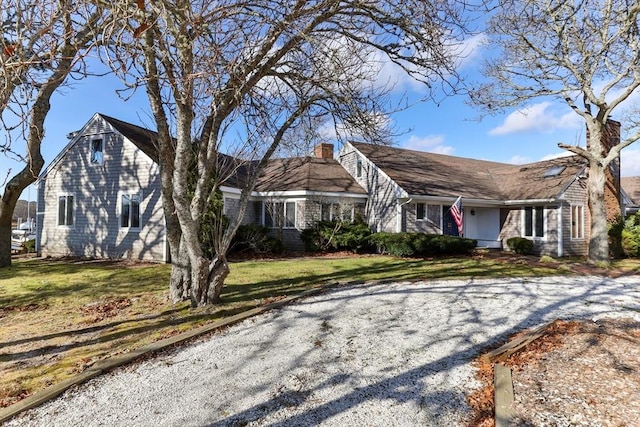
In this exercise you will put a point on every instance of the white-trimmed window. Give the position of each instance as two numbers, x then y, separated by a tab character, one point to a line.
427	212
359	168
65	210
336	211
534	221
434	214
130	210
96	146
577	222
280	214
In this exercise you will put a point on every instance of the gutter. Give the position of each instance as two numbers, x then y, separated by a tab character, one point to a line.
486	202
530	201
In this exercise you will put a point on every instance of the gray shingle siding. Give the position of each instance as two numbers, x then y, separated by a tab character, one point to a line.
426	225
380	211
549	244
512	226
97	190
575	195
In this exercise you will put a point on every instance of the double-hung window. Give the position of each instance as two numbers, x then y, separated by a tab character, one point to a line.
534	221
336	211
280	215
130	210
65	210
97	151
577	222
430	213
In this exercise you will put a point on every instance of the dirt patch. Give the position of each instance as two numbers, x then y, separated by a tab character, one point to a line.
100	310
105	262
579	373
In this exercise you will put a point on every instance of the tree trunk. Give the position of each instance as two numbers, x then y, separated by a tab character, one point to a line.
199	281
8	201
598	237
217	277
180	282
5	245
207	280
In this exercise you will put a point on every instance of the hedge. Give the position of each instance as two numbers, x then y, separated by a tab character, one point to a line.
520	245
421	244
337	235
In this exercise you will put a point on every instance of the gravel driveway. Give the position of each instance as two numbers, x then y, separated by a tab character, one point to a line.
393	354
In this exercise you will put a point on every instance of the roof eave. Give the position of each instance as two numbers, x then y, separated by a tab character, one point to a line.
79	134
530	201
305	193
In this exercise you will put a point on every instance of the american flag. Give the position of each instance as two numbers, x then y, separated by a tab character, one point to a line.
456	213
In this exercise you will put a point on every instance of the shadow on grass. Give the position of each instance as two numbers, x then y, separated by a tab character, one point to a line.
396	270
91	329
42	281
110	334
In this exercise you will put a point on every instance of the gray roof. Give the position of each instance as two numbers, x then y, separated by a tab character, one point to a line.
418	173
631	186
290	174
309	174
144	139
437	175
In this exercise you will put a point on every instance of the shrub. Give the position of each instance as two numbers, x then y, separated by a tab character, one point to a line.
520	245
396	244
450	245
614	231
547	259
421	244
631	236
336	235
30	246
255	238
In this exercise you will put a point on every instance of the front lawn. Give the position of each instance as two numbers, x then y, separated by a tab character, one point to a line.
60	317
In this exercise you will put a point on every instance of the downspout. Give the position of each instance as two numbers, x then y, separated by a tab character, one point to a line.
39	219
560	232
399	215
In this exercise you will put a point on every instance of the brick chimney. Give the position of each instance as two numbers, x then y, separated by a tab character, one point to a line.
612	197
323	151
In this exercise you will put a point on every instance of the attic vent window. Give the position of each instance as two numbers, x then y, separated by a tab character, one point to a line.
97	155
554	171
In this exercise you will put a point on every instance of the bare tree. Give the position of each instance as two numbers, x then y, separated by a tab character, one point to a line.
237	77
585	53
44	41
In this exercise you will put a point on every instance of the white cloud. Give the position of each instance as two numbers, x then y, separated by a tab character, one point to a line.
538	118
429	143
331	130
390	74
519	160
630	162
470	50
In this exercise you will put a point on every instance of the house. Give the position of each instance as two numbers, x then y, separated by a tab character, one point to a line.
101	196
413	191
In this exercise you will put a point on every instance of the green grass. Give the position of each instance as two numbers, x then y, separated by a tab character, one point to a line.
60	317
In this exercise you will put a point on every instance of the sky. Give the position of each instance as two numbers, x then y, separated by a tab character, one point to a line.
450	126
